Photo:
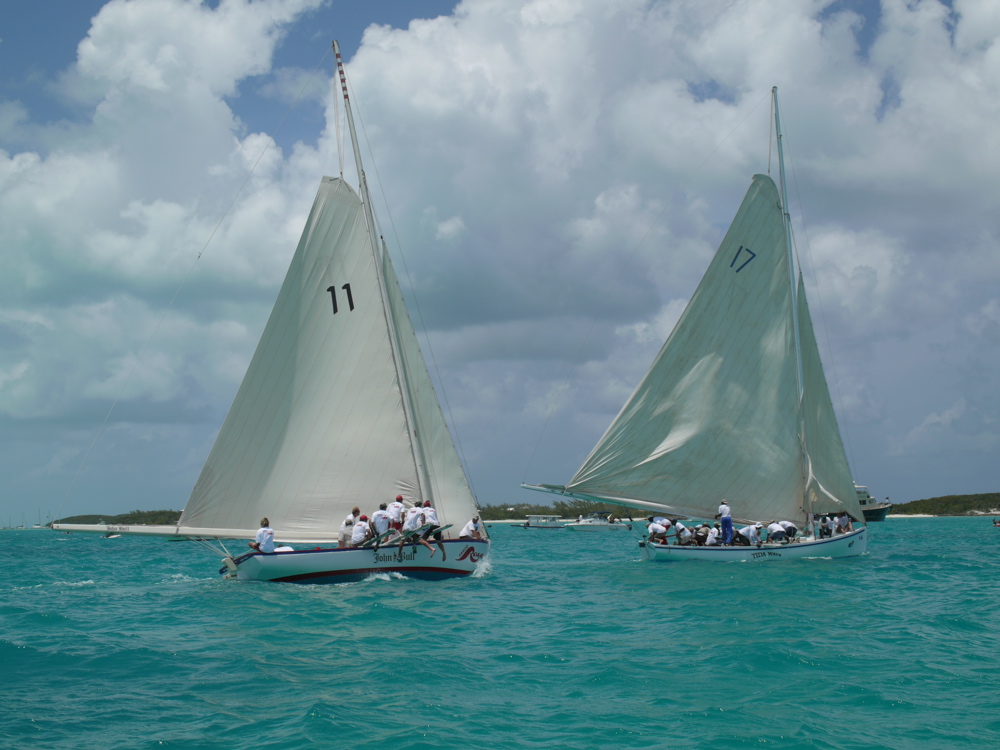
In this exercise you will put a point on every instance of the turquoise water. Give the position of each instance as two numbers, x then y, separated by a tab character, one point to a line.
566	641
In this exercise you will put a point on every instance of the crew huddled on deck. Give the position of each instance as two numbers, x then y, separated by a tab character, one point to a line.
392	523
751	535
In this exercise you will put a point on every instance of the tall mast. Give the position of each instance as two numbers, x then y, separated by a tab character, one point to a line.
799	377
426	491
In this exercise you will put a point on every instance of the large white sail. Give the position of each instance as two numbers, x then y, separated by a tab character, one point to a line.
717	414
318	423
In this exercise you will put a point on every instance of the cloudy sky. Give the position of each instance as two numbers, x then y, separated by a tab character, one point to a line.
557	174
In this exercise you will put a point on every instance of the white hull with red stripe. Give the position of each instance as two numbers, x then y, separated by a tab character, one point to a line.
325	565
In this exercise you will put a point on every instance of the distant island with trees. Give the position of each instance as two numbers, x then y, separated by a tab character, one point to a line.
952	505
949	505
132	518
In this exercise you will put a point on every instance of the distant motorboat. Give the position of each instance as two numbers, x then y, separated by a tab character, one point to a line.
599	521
872	509
542	522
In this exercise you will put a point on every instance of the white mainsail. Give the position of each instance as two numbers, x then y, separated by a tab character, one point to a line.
718	414
318	425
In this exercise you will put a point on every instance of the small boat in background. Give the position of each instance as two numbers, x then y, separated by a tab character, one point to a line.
599	521
542	522
872	509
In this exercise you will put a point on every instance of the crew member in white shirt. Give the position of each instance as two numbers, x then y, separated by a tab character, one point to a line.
791	530
265	537
411	525
471	530
825	527
380	520
776	532
725	515
347	527
713	536
749	533
683	533
362	532
658	528
430	516
396	510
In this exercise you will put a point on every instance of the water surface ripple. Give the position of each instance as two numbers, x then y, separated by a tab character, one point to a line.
568	641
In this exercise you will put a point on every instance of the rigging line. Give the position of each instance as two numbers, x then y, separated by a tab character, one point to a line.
416	301
336	118
770	137
183	283
819	301
564	386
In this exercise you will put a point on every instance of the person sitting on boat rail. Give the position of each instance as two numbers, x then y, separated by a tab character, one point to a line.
396	510
265	538
414	520
380	520
347	527
726	516
842	524
362	532
471	530
430	516
776	532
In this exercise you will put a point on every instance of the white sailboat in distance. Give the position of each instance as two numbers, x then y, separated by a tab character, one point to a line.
336	410
735	406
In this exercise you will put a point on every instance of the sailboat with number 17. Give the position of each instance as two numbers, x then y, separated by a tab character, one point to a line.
735	406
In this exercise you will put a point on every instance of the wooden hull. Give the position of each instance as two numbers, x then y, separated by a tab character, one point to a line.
348	565
844	545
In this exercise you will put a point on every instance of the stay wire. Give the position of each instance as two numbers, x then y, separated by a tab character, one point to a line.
416	300
184	280
819	303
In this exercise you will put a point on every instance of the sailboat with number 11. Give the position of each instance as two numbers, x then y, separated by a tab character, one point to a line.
337	409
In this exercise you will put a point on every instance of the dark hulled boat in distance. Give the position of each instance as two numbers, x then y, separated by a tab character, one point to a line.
872	508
